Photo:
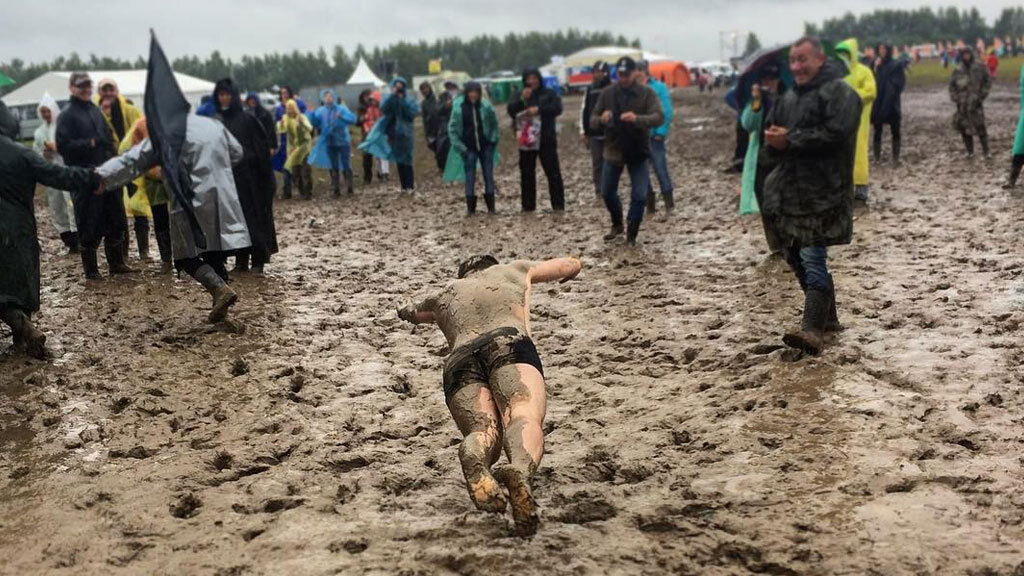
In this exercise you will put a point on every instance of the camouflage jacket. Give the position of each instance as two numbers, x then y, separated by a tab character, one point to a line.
808	194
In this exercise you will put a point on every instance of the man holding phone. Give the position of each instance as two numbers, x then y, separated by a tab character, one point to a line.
808	196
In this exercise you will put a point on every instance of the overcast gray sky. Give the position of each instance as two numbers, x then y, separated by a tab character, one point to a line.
686	29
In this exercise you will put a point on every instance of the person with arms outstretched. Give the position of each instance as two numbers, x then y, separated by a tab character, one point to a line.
493	377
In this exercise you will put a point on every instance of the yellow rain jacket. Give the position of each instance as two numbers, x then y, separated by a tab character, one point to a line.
862	80
138	204
300	136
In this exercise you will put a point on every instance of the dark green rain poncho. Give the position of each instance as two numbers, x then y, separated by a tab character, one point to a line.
21	169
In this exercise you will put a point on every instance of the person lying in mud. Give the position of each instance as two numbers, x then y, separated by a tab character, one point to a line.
493	378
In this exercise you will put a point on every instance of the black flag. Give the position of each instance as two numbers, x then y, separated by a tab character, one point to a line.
167	120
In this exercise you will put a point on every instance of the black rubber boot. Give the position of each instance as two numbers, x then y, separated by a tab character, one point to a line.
670	204
163	244
349	183
489	200
896	141
968	143
223	296
617	228
26	336
832	323
632	231
1015	168
115	259
286	191
241	263
984	144
90	263
809	337
307	180
652	201
470	205
142	237
66	238
335	183
74	244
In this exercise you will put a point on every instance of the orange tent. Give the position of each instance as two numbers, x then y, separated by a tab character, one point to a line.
673	74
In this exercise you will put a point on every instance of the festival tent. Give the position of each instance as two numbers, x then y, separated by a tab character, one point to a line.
579	65
673	74
362	78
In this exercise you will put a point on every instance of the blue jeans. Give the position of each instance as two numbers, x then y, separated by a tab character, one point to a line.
486	159
810	266
639	178
340	157
659	162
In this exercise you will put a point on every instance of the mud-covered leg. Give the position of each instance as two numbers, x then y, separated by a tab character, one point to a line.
475	413
523	402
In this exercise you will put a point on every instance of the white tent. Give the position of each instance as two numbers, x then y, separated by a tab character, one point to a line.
132	84
610	54
364	76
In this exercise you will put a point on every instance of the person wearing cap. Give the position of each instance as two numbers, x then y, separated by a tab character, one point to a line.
58	201
85	139
627	111
473	131
810	146
21	171
444	113
594	137
659	156
538	101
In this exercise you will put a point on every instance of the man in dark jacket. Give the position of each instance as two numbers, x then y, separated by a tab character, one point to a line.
431	110
627	112
537	101
253	106
254	176
594	137
810	148
21	170
968	88
84	139
891	79
444	115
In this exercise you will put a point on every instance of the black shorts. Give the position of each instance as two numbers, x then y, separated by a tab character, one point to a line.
474	361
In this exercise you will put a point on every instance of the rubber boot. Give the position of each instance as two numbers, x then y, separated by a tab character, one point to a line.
335	183
257	266
223	296
26	336
241	263
670	204
652	201
832	323
968	143
90	264
115	259
142	237
163	244
349	183
1015	169
70	240
307	180
489	200
470	205
984	145
896	141
286	192
809	337
632	231
125	244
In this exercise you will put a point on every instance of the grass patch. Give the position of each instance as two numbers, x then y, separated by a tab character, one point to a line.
931	73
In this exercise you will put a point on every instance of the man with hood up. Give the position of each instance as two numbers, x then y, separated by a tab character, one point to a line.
59	201
392	136
431	109
594	137
862	81
810	147
333	150
968	88
890	79
473	132
538	101
85	139
254	176
21	170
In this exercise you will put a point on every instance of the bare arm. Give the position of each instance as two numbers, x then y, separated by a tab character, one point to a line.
422	313
563	269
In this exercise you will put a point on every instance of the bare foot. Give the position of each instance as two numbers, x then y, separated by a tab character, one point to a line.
486	493
524	507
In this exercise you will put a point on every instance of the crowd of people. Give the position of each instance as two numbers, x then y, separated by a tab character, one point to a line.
805	166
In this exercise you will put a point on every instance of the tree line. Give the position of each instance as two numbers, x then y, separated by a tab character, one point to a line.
477	56
921	25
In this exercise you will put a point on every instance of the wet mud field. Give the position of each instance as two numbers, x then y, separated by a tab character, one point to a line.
310	436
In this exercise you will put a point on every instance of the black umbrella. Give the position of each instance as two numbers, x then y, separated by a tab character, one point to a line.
167	120
754	66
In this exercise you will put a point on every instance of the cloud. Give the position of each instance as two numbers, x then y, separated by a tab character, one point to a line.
687	29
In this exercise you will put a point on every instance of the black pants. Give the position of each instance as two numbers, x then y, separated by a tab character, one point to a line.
406	176
742	141
548	155
367	168
441	155
100	218
894	128
161	218
214	259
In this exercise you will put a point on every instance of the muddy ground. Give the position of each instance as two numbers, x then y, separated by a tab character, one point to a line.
312	437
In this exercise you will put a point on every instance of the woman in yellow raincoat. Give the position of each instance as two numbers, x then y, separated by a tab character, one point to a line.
861	79
151	189
300	141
